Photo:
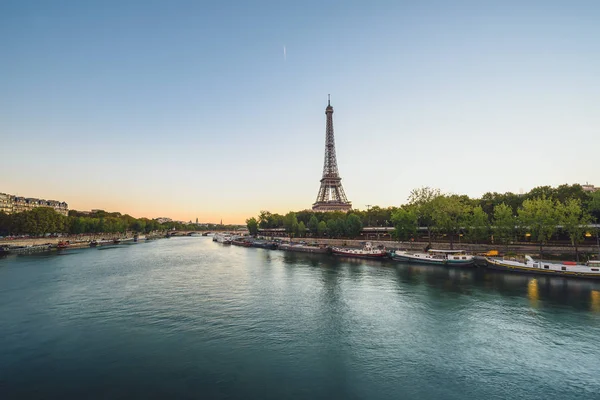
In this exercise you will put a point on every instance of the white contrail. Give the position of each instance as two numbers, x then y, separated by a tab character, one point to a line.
284	53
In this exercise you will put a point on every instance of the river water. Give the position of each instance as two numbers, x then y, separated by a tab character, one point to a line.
190	318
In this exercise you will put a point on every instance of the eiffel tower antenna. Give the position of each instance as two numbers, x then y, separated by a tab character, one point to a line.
331	195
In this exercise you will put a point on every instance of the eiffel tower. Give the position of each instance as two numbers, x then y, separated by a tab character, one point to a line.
331	195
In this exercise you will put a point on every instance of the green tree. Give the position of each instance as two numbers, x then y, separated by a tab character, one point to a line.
301	229
264	219
593	205
30	224
477	225
304	216
276	221
377	216
566	192
328	216
76	225
593	208
335	227
574	221
321	228
353	225
290	223
546	192
405	222
539	217
490	200
4	224
449	214
45	220
313	224
138	225
153	225
252	225
422	199
504	224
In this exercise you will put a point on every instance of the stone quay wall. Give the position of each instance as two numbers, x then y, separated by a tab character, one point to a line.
518	248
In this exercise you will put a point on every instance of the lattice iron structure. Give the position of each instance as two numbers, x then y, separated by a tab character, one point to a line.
331	195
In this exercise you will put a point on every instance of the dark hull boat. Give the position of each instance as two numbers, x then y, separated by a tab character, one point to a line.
242	243
366	252
264	245
304	248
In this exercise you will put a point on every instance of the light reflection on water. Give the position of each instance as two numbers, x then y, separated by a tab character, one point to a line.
186	316
532	293
595	301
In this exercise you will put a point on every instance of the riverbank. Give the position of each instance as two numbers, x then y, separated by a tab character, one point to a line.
75	241
521	249
551	251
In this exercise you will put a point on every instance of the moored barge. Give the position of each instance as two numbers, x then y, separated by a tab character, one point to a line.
240	241
304	248
456	258
531	266
368	251
264	244
222	238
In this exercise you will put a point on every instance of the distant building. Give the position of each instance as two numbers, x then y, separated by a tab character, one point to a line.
6	203
590	188
16	204
162	220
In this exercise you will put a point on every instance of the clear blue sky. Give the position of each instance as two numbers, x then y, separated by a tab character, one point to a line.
191	109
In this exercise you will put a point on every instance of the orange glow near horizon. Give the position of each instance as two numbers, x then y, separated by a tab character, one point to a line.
140	203
147	210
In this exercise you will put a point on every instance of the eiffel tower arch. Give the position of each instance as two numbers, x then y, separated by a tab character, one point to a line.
331	195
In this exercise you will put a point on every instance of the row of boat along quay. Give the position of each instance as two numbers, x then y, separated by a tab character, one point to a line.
44	245
444	258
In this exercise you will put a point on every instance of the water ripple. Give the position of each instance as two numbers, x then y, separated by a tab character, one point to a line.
187	317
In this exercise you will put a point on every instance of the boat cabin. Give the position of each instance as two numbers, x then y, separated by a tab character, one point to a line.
450	254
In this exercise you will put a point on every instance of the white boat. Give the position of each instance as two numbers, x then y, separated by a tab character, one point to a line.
368	251
457	258
565	268
594	263
223	238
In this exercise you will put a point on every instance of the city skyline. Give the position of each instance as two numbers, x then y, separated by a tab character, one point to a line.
199	110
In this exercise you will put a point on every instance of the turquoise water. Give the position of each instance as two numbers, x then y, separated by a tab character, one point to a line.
189	318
